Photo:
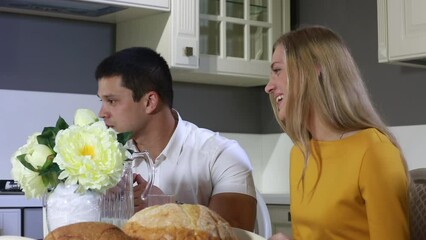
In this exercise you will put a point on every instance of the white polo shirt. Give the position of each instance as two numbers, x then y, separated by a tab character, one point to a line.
198	163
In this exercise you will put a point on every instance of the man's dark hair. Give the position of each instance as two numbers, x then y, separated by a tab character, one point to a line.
142	70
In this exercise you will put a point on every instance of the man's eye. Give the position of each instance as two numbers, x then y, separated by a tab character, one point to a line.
111	101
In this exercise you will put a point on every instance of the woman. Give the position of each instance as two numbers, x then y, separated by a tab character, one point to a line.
348	177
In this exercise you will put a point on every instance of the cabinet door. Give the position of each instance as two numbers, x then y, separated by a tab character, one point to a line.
33	223
184	34
236	37
10	222
280	218
173	34
406	26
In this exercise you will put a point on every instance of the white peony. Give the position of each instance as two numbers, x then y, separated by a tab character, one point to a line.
84	117
90	156
87	154
36	154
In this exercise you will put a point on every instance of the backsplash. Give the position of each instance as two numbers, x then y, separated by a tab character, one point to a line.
25	112
269	154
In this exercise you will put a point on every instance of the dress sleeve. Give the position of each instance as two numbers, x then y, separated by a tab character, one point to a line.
294	179
383	186
295	235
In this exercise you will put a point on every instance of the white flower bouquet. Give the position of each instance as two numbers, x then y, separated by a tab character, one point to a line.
87	153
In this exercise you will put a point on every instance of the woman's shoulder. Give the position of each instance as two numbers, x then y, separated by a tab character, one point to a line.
378	146
369	135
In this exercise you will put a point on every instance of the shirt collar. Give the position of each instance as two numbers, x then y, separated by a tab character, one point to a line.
174	147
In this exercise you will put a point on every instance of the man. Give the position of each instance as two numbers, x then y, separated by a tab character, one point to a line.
196	165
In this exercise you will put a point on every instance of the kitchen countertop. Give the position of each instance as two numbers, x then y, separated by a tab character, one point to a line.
19	200
11	193
277	198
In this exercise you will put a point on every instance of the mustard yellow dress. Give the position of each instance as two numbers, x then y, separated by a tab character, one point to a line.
361	190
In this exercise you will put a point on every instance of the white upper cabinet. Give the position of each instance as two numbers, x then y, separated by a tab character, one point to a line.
226	42
236	39
402	31
173	34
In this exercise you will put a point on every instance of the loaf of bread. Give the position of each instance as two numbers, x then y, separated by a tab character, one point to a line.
178	221
88	231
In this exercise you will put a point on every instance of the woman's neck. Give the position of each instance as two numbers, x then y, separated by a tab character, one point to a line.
321	131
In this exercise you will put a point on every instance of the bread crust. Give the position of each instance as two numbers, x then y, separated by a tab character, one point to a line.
178	221
88	231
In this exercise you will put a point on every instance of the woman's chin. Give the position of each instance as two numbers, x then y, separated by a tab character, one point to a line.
281	116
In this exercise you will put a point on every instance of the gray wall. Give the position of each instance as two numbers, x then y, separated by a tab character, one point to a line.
56	55
225	109
398	92
50	54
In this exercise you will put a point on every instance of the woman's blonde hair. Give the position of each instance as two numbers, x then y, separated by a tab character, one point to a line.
322	75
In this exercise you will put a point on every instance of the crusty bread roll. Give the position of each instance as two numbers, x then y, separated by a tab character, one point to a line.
88	231
178	221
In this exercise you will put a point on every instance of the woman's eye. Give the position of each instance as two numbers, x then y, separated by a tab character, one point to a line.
276	71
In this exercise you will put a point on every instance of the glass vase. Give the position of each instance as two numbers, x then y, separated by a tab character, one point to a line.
117	203
65	206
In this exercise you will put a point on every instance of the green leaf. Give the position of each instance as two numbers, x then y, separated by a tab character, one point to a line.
124	137
49	175
26	164
45	140
49	131
61	124
45	179
48	136
50	179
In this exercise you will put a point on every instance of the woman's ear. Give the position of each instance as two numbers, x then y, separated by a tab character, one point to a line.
318	70
151	101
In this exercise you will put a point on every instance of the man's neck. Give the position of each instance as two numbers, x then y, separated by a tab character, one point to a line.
157	133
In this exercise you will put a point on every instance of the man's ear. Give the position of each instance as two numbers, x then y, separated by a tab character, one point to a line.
151	100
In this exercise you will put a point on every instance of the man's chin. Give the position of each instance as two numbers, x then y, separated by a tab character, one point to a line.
114	128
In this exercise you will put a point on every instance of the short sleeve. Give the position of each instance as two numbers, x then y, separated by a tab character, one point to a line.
232	170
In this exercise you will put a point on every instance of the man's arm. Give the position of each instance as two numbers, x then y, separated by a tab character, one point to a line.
238	209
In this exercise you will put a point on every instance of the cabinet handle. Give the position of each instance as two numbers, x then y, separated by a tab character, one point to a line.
189	51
